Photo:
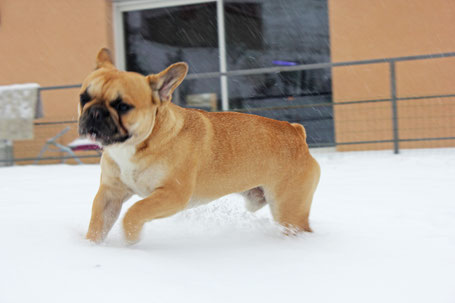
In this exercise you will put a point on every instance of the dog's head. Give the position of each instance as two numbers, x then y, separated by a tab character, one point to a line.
117	106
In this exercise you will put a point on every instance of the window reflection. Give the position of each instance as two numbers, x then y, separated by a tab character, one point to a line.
281	33
259	34
156	38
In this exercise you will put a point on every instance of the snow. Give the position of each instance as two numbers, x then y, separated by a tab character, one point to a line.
18	101
25	86
384	232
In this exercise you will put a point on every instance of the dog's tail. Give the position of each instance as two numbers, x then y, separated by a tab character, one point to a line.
300	130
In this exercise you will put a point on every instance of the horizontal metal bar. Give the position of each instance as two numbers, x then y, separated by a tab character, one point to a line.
398	99
254	109
338	103
59	87
325	104
316	145
364	142
423	57
426	97
427	139
295	96
361	101
55	122
278	69
294	106
391	141
259	71
342	103
310	145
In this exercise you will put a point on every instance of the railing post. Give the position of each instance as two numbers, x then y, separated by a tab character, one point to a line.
393	98
222	50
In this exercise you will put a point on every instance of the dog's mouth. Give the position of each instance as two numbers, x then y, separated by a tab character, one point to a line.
98	125
105	134
104	139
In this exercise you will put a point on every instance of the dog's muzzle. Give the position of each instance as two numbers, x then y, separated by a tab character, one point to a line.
96	122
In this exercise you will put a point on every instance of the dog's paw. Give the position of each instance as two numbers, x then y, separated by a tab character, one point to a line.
94	237
293	231
131	231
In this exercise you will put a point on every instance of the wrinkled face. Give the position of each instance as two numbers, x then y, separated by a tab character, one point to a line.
120	107
115	106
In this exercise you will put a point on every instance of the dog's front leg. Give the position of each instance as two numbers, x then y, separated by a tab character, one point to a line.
105	211
163	202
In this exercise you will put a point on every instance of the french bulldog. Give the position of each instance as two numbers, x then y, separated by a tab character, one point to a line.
176	158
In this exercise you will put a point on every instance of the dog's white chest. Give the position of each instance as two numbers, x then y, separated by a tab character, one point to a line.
141	181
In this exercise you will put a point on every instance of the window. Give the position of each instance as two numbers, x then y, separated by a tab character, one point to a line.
254	34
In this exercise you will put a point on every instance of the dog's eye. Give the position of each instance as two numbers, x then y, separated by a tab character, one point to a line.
85	98
120	106
123	107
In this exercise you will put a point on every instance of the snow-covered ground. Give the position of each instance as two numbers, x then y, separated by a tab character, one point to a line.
384	232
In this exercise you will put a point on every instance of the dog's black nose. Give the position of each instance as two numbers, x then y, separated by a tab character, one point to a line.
97	113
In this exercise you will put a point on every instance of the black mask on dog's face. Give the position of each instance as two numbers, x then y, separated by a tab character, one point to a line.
97	123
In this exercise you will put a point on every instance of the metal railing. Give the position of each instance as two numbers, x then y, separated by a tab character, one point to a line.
394	99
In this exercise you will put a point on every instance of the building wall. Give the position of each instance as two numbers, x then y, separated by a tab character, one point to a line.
51	42
361	30
54	42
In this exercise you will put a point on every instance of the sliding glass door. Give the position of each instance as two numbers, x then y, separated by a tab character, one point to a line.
155	38
228	35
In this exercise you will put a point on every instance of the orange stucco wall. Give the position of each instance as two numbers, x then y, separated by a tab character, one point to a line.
362	30
51	42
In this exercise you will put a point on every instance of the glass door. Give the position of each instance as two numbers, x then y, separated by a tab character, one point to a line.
215	36
270	33
155	38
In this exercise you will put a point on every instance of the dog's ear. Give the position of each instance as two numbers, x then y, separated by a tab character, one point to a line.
104	59
167	81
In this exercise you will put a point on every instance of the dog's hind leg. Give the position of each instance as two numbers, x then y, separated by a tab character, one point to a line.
254	199
290	199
